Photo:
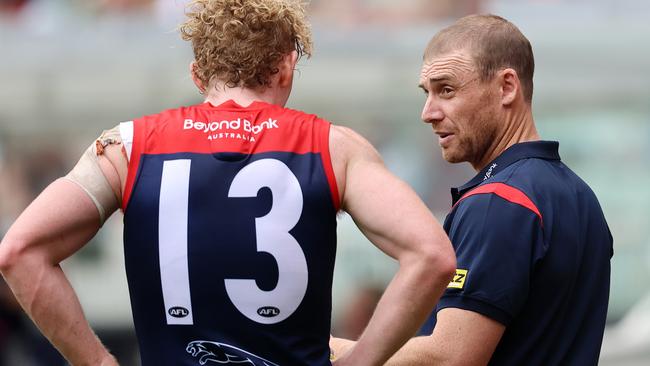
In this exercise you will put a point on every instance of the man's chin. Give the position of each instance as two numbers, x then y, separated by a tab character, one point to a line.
451	158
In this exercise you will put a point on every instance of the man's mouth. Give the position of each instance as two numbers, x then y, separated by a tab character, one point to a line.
444	138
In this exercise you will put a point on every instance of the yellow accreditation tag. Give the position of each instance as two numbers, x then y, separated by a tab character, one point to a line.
459	279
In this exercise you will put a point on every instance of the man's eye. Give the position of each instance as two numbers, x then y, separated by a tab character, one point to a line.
446	91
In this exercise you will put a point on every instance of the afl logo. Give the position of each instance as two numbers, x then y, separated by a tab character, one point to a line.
268	311
178	312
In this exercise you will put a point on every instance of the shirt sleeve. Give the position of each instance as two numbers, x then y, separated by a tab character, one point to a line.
497	244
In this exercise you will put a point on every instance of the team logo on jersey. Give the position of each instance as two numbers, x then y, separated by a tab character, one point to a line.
178	312
459	279
225	354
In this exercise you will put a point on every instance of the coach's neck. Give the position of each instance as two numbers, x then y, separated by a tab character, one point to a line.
516	124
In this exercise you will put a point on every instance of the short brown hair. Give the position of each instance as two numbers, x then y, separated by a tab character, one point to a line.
494	43
241	42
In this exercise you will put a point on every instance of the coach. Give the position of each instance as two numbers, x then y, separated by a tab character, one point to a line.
533	247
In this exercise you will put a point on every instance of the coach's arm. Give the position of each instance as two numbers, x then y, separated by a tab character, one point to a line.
460	338
61	220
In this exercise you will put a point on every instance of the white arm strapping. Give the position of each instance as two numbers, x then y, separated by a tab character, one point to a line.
90	177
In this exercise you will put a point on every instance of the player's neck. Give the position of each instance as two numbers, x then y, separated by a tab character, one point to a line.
245	96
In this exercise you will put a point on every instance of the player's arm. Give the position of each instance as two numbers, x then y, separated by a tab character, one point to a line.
55	225
392	217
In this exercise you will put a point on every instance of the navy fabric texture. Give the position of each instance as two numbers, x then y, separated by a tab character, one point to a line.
222	244
545	278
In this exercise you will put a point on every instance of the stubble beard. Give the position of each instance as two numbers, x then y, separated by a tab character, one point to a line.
473	147
486	128
485	138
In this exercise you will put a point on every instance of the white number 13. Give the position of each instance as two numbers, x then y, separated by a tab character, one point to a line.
271	231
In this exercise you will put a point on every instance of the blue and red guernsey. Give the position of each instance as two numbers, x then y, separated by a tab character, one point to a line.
533	252
230	236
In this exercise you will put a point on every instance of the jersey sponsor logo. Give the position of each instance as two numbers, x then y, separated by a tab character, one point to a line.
488	174
178	312
238	128
222	353
459	279
268	311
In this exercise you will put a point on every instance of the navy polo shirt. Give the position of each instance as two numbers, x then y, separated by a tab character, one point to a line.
533	251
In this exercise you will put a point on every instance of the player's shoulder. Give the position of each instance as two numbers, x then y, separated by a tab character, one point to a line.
296	113
349	150
350	143
170	113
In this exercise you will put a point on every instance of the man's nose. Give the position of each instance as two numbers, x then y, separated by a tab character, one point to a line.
432	113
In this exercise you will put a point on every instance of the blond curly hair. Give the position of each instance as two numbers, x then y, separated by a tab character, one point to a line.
241	42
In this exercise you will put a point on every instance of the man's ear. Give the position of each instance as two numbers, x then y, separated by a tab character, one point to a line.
510	86
197	81
286	68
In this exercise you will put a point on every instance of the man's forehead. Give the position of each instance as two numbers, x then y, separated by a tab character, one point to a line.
454	65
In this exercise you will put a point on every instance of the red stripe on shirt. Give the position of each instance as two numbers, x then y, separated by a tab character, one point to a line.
509	193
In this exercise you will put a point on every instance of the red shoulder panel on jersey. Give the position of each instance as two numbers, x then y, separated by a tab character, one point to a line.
201	129
509	193
327	163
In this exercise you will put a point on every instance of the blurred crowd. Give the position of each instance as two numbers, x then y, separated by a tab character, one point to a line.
48	14
26	170
16	8
339	12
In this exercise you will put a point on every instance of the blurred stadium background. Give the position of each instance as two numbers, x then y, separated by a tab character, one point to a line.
70	68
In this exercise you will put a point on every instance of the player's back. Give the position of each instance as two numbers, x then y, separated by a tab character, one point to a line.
230	232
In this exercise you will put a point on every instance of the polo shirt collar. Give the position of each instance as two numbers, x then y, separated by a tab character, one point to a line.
547	150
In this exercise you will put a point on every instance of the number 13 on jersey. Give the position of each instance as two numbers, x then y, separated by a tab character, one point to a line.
271	232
